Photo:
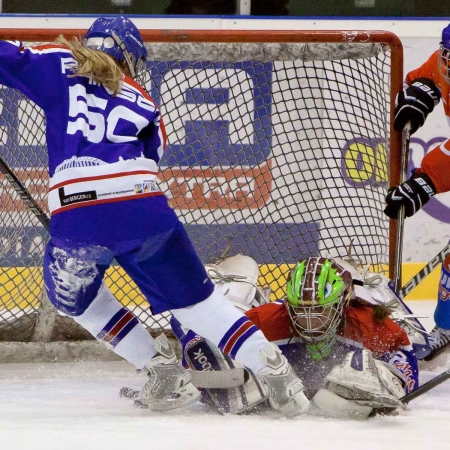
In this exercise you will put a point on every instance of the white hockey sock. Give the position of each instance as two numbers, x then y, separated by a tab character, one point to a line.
117	327
217	320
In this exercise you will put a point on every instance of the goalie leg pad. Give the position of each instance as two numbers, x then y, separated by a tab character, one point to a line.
202	355
284	388
236	278
366	381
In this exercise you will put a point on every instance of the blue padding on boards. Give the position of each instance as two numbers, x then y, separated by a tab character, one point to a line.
267	243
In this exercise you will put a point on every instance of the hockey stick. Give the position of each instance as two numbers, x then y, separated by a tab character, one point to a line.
43	328
406	138
208	379
436	381
25	196
219	379
423	273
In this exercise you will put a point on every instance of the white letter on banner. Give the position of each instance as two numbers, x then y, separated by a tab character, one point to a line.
239	110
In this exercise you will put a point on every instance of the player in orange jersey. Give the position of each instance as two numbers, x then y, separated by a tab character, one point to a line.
424	87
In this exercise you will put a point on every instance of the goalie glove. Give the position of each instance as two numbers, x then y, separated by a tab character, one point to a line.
366	381
413	194
414	103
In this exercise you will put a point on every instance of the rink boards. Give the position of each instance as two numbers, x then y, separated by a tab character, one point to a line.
14	278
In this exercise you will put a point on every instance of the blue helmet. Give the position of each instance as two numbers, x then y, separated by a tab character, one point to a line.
444	53
120	39
446	37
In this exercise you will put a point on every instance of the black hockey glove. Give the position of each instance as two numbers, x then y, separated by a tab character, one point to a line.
412	194
414	103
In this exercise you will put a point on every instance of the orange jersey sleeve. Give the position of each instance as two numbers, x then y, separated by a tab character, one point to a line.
436	164
273	320
430	69
377	336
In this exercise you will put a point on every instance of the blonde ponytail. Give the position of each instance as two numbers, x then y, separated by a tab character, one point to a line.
96	64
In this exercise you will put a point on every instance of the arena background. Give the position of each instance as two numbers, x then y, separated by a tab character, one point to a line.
428	231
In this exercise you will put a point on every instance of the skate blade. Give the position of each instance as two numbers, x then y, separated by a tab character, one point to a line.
435	353
140	404
127	392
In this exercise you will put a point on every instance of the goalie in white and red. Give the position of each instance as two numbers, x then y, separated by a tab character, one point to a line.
341	327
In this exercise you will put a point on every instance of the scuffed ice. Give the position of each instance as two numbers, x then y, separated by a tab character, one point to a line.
76	406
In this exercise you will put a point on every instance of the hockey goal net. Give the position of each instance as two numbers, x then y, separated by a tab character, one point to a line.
280	146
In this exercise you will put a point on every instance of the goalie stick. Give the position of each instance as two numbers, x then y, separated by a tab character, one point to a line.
25	196
208	379
428	386
219	379
436	381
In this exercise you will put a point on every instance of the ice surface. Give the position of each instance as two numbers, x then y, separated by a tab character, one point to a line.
69	406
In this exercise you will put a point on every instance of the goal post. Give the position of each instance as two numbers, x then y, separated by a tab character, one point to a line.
280	147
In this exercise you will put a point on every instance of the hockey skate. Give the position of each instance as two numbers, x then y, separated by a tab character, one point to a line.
284	388
439	339
169	386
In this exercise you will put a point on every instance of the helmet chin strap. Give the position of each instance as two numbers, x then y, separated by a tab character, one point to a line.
126	55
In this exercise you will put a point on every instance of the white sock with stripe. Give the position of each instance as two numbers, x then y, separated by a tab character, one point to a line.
217	320
117	327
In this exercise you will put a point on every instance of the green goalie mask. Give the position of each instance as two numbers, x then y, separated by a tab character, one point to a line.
317	291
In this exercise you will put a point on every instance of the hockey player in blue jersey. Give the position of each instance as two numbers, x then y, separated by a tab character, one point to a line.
105	137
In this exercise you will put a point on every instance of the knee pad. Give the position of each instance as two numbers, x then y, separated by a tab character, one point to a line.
72	282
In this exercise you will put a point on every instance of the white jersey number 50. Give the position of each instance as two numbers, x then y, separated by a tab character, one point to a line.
87	110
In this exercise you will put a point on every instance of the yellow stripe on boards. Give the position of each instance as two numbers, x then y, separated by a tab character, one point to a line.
21	287
428	288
